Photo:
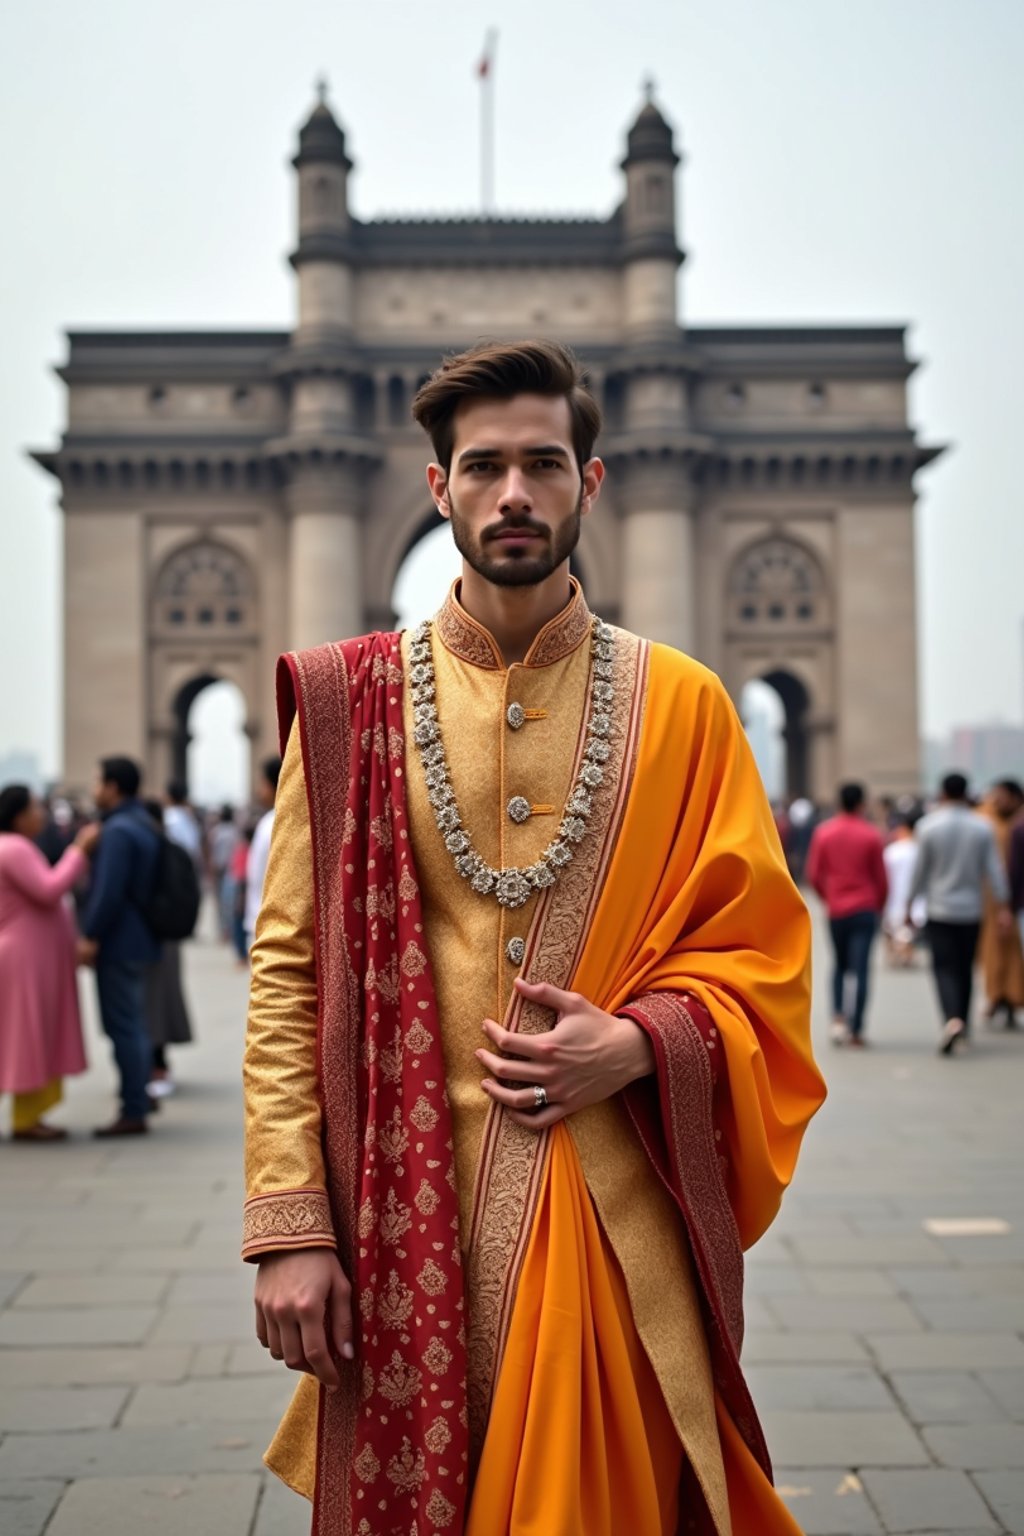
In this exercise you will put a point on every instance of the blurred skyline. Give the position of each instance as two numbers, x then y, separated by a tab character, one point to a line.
840	166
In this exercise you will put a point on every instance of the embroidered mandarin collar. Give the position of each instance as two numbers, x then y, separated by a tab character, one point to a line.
471	642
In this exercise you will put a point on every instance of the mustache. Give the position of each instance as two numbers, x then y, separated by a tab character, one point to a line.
516	525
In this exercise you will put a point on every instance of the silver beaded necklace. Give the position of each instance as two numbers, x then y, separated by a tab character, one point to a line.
512	887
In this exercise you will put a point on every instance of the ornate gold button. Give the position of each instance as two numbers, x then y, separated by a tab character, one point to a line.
516	716
515	951
519	809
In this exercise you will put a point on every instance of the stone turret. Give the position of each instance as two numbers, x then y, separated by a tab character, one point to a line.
651	253
324	459
322	258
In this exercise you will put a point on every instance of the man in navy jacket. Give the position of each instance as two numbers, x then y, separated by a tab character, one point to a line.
116	937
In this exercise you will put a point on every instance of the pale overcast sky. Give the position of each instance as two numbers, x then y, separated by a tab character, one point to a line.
844	162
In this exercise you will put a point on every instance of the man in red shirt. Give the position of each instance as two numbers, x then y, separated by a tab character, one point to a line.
846	868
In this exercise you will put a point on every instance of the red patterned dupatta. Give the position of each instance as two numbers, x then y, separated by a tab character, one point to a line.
392	1451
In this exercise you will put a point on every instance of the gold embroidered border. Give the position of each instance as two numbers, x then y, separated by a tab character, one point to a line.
286	1218
512	1159
468	640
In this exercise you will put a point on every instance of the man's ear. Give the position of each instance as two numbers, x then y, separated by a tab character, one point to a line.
438	483
592	475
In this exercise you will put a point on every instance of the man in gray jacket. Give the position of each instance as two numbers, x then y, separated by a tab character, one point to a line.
957	858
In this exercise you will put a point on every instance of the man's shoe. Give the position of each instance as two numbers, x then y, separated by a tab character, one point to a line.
857	1043
953	1031
122	1127
839	1032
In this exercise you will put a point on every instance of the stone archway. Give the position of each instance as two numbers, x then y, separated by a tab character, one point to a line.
779	629
205	629
796	703
406	603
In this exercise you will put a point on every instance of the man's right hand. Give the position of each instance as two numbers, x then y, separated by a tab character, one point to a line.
304	1311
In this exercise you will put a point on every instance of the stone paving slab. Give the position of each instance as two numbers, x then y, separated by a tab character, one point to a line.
841	1437
944	1397
90	1291
281	1512
977	1447
819	1387
24	1409
218	1401
159	1506
211	1323
93	1367
1004	1493
1007	1387
26	1504
85	1325
945	1351
934	1500
827	1501
156	1451
861	1314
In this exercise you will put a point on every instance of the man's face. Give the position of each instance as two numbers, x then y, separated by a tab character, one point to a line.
105	795
514	493
1004	803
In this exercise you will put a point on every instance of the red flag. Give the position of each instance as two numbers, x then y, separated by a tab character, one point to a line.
486	63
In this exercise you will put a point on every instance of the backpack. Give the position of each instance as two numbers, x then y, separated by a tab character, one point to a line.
172	907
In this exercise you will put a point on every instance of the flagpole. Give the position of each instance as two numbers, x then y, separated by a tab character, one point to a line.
486	73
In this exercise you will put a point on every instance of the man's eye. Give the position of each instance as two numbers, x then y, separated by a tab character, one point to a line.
479	464
548	464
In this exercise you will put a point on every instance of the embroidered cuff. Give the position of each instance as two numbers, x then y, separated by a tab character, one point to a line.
287	1218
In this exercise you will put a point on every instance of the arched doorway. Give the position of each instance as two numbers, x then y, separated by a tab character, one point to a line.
428	567
782	704
210	749
219	756
764	720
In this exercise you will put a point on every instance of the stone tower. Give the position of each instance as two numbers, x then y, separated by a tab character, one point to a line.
323	459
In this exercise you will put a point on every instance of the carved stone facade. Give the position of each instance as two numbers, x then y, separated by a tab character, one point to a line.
231	495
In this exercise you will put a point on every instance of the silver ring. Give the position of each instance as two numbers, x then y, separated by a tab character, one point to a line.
540	1097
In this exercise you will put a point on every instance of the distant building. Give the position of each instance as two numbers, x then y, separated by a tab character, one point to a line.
984	752
17	767
229	495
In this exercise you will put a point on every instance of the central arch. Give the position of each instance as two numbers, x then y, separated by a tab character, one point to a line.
428	565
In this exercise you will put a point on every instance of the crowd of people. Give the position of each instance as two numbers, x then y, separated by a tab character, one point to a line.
114	887
947	877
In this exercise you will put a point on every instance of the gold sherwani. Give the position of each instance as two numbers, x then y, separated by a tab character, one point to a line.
491	761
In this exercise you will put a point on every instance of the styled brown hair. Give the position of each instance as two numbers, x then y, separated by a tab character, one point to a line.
500	370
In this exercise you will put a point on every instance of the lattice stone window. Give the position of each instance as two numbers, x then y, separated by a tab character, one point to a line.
204	587
777	583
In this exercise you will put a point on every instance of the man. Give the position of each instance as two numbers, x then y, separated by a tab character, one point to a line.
999	950
116	937
259	848
900	855
846	867
1016	871
224	836
957	860
180	823
528	1055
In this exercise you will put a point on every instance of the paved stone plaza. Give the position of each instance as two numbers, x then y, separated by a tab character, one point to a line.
887	1361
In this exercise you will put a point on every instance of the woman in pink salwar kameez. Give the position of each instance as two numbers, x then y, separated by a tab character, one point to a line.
40	1024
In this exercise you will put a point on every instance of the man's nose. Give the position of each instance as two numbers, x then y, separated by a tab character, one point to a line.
515	492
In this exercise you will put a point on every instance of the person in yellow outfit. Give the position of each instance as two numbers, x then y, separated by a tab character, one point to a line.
528	1060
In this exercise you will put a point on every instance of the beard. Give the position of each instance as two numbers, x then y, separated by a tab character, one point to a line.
511	567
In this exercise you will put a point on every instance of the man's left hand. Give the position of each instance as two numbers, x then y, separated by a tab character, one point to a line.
588	1056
